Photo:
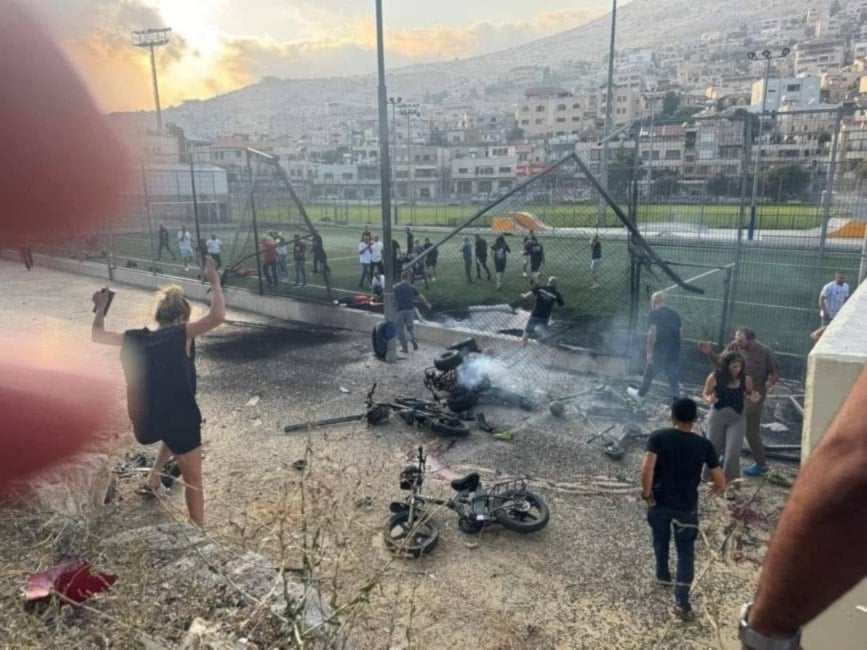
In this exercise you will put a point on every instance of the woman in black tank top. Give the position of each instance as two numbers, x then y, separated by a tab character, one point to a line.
726	390
159	366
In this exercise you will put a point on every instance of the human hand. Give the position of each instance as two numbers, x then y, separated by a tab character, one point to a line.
100	300
648	499
755	397
211	271
770	387
711	398
705	348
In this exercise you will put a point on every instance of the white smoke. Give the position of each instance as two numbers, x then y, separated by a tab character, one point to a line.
473	372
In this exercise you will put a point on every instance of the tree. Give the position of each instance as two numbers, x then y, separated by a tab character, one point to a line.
834	8
515	134
809	31
722	185
620	174
670	103
786	182
665	186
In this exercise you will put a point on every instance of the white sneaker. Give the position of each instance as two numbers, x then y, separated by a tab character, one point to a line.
633	393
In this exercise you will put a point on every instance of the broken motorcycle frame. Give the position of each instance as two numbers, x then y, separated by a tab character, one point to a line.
412	530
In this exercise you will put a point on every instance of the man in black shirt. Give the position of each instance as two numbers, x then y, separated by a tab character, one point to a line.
670	477
481	257
662	349
536	256
164	242
546	297
410	240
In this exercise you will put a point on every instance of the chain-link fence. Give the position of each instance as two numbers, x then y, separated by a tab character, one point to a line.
673	213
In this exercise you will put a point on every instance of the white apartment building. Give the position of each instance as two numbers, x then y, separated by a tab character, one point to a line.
795	91
819	55
548	112
483	170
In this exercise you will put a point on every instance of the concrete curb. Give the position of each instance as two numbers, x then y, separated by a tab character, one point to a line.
313	313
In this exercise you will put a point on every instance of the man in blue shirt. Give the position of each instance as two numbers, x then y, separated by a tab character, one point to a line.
405	295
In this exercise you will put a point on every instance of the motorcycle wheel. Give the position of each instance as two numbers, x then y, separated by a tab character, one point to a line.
521	511
410	538
449	427
469	526
448	360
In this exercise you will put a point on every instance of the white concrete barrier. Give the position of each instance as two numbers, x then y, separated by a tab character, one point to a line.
832	367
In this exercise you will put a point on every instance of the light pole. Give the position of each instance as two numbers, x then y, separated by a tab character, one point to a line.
603	208
649	101
149	39
385	185
767	56
394	101
409	110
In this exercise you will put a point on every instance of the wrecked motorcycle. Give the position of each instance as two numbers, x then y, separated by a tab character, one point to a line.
412	530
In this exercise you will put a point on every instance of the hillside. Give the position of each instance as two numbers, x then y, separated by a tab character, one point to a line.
642	23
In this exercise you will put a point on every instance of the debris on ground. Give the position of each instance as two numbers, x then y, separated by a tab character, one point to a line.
253	400
344	389
72	579
775	427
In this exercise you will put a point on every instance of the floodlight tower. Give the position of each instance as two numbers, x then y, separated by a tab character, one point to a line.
149	39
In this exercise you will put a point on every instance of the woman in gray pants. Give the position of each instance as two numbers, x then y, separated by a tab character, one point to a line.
726	390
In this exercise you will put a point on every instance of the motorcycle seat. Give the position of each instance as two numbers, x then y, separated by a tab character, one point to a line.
468	483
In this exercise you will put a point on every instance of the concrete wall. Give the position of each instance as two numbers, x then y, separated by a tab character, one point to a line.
314	313
832	368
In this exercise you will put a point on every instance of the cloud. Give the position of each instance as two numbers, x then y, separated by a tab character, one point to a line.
318	39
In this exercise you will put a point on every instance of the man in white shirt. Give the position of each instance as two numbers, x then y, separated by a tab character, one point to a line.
376	265
214	247
364	248
833	296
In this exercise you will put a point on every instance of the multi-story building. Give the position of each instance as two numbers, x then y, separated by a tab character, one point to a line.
795	91
627	106
548	112
524	75
484	171
819	55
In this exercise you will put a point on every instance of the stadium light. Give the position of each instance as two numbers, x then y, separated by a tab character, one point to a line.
768	56
149	39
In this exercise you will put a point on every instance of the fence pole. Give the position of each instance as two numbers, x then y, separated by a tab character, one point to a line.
196	209
255	227
725	318
147	204
862	271
829	181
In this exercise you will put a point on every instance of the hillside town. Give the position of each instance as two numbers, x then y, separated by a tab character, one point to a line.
474	141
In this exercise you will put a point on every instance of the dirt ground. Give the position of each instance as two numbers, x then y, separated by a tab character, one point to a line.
585	581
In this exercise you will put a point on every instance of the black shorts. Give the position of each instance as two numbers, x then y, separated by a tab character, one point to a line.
500	267
534	268
181	439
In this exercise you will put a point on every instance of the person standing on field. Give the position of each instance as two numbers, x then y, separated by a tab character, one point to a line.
670	476
500	251
536	257
595	260
185	245
763	369
405	294
481	257
832	298
662	350
214	247
467	252
364	248
430	262
164	242
160	370
299	256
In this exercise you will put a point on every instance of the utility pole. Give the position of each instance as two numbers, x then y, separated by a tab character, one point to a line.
603	208
385	186
149	39
409	110
768	56
395	102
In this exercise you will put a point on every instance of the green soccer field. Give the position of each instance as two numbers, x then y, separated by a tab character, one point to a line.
776	290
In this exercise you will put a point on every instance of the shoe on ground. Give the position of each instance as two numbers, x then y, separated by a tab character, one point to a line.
415	345
404	350
685	615
634	394
755	470
664	582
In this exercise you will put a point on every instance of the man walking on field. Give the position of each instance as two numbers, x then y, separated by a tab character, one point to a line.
763	369
663	348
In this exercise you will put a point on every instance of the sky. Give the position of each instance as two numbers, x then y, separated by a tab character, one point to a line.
221	45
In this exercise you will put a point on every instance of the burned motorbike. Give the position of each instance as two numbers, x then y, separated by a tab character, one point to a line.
411	529
443	380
